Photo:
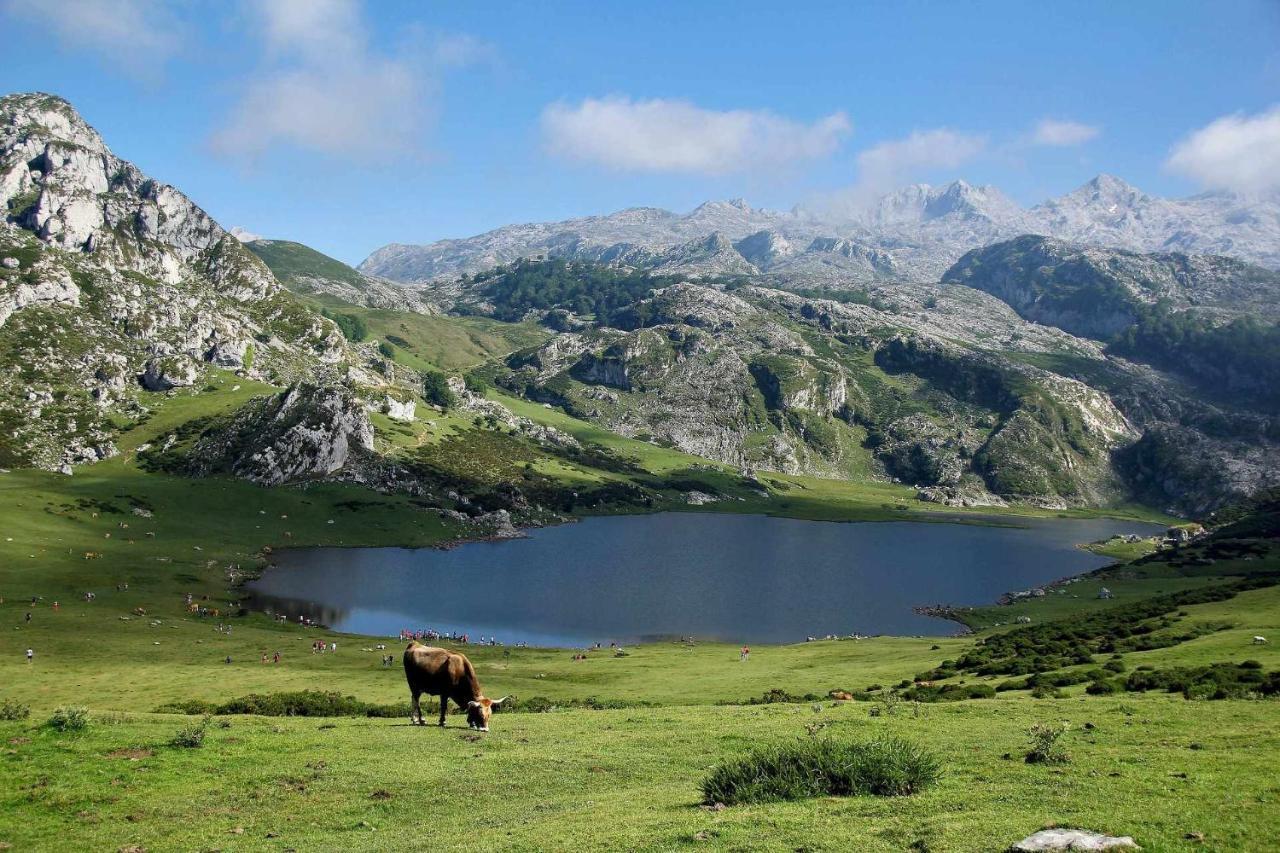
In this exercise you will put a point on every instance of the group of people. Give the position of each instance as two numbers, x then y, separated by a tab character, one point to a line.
274	658
319	647
407	634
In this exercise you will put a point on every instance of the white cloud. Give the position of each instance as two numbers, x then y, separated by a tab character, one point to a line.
1236	152
677	136
1063	134
885	166
325	87
137	36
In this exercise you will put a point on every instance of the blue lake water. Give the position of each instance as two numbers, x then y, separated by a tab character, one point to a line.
715	576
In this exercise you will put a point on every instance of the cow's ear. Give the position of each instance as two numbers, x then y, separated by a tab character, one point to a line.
496	702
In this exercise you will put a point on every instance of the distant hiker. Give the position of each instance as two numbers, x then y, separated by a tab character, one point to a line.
264	657
28	615
276	659
744	654
228	658
55	605
31	653
333	647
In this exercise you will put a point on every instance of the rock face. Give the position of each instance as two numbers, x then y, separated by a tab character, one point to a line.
121	286
305	432
913	234
1098	292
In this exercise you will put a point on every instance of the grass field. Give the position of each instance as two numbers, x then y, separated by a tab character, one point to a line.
1153	765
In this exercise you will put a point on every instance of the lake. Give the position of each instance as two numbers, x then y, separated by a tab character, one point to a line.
737	578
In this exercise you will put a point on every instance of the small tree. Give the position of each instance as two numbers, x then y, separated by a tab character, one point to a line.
436	390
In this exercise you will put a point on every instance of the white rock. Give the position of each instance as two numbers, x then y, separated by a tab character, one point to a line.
1071	839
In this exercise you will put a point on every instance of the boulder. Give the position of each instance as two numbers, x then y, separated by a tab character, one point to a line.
164	374
1071	839
400	411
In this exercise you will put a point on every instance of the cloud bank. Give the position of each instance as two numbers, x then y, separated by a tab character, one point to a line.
660	135
135	36
1063	134
883	167
325	87
1236	152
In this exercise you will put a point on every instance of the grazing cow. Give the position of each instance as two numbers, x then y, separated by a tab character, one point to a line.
448	675
1258	641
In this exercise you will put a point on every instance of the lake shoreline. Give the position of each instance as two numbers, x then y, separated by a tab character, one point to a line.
836	581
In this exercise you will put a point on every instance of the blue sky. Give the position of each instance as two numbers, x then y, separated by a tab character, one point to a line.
349	125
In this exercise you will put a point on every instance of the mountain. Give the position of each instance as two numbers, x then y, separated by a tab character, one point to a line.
115	288
913	234
1099	292
310	273
1109	212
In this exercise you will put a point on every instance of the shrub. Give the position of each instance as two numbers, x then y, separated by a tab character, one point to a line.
69	719
1102	687
815	767
190	737
436	390
10	710
1045	746
306	703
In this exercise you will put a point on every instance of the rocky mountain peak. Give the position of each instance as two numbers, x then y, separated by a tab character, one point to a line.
59	181
1107	192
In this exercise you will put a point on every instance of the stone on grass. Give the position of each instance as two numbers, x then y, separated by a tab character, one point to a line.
1071	839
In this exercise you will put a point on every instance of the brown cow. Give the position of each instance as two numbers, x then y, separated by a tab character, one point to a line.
448	675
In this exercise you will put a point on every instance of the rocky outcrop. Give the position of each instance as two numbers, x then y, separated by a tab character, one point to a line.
165	374
305	432
118	287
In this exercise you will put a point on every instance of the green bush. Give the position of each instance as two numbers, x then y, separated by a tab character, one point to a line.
436	390
190	737
69	719
1045	746
823	767
10	710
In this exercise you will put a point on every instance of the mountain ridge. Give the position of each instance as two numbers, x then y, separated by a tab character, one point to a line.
922	229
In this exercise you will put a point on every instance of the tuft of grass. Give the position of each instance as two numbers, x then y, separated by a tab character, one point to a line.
191	736
1045	745
815	767
11	710
68	718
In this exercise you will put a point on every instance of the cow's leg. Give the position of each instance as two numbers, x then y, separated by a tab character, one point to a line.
444	708
415	710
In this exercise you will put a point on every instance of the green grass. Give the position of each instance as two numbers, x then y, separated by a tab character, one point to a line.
1154	767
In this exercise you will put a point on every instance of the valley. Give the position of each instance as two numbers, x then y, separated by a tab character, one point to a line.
185	402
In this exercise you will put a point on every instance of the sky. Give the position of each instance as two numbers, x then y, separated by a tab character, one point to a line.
348	125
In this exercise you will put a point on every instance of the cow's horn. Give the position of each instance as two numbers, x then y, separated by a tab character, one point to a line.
499	701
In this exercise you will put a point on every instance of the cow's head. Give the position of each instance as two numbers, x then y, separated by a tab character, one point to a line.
478	711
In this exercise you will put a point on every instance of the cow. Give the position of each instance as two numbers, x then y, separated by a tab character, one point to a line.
448	675
1259	641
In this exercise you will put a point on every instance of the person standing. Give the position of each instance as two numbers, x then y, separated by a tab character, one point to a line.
744	654
31	653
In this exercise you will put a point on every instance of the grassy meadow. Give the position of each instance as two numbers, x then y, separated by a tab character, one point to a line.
1176	774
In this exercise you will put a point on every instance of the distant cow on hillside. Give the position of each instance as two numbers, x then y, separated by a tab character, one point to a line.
1258	641
448	675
